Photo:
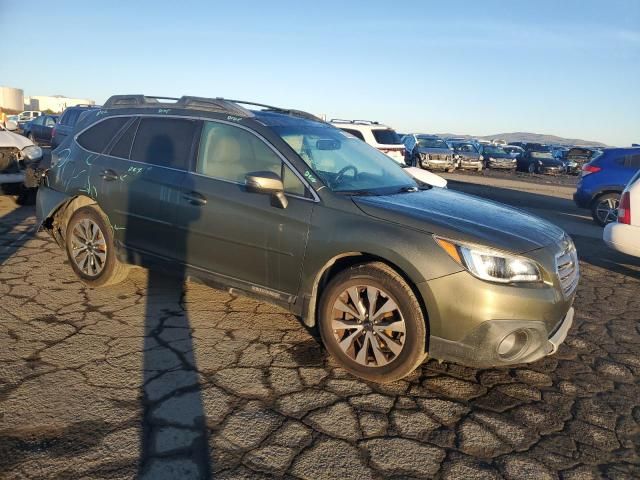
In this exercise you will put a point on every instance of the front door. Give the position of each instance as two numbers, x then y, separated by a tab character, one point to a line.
236	234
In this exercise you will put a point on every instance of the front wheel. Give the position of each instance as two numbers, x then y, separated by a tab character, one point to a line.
372	324
90	248
532	168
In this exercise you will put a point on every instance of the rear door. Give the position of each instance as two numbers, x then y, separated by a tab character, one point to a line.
242	236
141	183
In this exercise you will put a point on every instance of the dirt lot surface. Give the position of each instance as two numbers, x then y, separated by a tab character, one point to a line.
158	380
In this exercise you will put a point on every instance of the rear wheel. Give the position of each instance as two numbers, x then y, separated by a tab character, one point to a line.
532	168
605	208
372	324
90	248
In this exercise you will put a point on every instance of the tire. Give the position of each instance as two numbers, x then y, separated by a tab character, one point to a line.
401	352
531	168
110	269
604	208
417	162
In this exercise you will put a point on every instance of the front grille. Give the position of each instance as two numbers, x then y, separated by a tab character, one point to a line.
437	156
567	267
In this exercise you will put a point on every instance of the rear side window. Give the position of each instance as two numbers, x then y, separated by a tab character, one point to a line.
70	117
355	133
632	161
96	138
386	136
122	147
165	142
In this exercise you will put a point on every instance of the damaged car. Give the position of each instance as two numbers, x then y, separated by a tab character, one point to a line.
429	152
277	204
467	155
17	153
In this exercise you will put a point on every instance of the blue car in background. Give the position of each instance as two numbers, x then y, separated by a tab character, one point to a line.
603	180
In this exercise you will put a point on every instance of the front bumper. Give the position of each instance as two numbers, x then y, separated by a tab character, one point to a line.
508	165
479	348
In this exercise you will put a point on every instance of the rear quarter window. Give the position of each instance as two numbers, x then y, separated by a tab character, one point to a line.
386	136
96	138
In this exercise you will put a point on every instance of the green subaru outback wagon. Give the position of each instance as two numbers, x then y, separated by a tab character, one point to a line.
277	204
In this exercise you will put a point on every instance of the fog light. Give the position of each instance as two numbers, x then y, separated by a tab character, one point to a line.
513	344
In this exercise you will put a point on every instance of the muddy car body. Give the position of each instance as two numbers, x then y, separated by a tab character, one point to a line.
279	205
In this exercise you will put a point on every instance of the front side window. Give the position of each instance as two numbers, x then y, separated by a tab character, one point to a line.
231	153
344	163
165	142
96	138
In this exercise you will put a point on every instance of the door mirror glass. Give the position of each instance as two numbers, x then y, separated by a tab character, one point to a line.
268	183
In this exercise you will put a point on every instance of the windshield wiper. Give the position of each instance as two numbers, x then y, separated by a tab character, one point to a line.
357	192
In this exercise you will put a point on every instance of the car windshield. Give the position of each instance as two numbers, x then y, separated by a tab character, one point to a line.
541	155
463	147
343	162
427	142
493	150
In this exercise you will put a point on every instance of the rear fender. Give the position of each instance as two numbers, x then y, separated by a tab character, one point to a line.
53	210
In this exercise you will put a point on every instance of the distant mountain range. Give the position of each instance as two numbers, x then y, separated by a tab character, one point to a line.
531	137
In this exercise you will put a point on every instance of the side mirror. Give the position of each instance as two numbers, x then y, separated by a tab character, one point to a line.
11	125
267	183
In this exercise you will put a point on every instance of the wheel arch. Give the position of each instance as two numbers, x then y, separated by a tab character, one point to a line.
341	262
56	222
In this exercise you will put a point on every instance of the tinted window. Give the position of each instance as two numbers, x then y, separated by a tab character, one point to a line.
122	148
632	161
386	137
37	121
230	153
96	138
49	122
164	141
70	117
355	133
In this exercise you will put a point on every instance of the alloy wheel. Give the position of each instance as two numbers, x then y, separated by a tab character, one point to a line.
368	325
607	210
88	247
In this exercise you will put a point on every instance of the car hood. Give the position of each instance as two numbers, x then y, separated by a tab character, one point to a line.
445	151
10	139
463	217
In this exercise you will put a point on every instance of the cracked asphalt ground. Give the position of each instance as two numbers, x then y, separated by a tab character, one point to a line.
151	379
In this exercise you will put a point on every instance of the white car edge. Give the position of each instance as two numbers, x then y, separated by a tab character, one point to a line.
624	234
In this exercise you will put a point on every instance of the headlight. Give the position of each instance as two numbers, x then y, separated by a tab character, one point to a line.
492	265
491	159
32	153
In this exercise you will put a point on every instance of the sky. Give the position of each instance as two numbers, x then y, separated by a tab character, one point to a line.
569	68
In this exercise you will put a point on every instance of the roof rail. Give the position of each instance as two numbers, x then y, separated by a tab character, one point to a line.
355	122
219	105
286	111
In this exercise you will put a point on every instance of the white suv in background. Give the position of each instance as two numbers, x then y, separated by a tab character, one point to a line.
624	234
375	134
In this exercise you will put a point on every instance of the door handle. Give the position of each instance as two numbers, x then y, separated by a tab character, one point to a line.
109	175
195	198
